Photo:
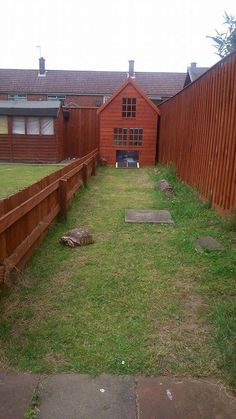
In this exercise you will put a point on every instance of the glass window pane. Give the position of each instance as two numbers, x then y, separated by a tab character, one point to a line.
18	125
3	125
47	126
32	126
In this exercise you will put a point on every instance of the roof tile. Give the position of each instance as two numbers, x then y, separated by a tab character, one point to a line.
87	82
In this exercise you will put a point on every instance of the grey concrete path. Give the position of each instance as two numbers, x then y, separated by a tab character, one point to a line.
16	392
79	396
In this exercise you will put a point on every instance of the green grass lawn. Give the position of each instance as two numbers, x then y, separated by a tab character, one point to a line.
140	300
14	177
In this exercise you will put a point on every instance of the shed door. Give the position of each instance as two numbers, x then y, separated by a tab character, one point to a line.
127	158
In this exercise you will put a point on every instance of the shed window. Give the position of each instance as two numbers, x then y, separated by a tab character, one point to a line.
120	136
47	126
18	125
136	136
3	125
32	126
128	107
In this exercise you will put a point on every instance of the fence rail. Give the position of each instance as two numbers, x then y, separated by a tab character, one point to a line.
198	134
26	216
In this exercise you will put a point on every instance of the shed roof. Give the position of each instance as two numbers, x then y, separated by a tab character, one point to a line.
29	108
87	82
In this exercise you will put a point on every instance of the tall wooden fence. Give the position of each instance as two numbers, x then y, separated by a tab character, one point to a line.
81	133
26	216
198	134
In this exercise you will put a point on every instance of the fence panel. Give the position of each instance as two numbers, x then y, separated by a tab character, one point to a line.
198	134
26	216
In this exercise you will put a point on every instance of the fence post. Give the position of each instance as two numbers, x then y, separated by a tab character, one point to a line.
93	166
63	197
85	174
3	255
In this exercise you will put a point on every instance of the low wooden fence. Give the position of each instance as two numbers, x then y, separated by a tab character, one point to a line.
198	134
26	216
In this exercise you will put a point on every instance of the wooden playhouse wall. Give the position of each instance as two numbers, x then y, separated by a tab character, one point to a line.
146	118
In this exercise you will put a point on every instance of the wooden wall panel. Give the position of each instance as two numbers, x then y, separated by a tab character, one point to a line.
81	132
198	134
34	148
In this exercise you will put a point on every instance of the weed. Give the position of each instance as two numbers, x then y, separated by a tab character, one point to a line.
232	220
32	411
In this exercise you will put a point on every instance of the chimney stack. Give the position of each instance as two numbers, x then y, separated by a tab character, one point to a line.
42	71
193	66
131	69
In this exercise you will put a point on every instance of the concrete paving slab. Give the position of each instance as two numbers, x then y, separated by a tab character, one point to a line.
79	396
169	398
148	216
16	391
207	243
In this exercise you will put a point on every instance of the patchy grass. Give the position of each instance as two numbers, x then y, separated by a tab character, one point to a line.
139	300
14	177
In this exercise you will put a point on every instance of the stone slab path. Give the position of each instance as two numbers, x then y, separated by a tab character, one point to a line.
207	243
148	216
80	396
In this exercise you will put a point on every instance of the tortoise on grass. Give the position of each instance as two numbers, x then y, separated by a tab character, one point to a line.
77	237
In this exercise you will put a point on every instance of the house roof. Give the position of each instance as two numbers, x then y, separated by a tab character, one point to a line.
87	82
122	87
29	108
193	73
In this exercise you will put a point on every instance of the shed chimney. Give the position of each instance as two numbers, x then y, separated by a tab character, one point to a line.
42	71
131	69
193	66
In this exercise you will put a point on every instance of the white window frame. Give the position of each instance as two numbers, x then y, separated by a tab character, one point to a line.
56	97
17	96
41	121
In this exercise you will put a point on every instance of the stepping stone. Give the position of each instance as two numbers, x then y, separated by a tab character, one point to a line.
148	216
79	396
207	243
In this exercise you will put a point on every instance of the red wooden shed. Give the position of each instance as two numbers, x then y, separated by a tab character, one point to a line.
31	131
128	127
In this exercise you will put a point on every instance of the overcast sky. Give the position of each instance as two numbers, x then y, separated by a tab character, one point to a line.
160	35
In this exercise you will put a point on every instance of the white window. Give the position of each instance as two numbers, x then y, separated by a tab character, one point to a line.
56	97
47	126
15	96
18	125
3	125
106	98
32	126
